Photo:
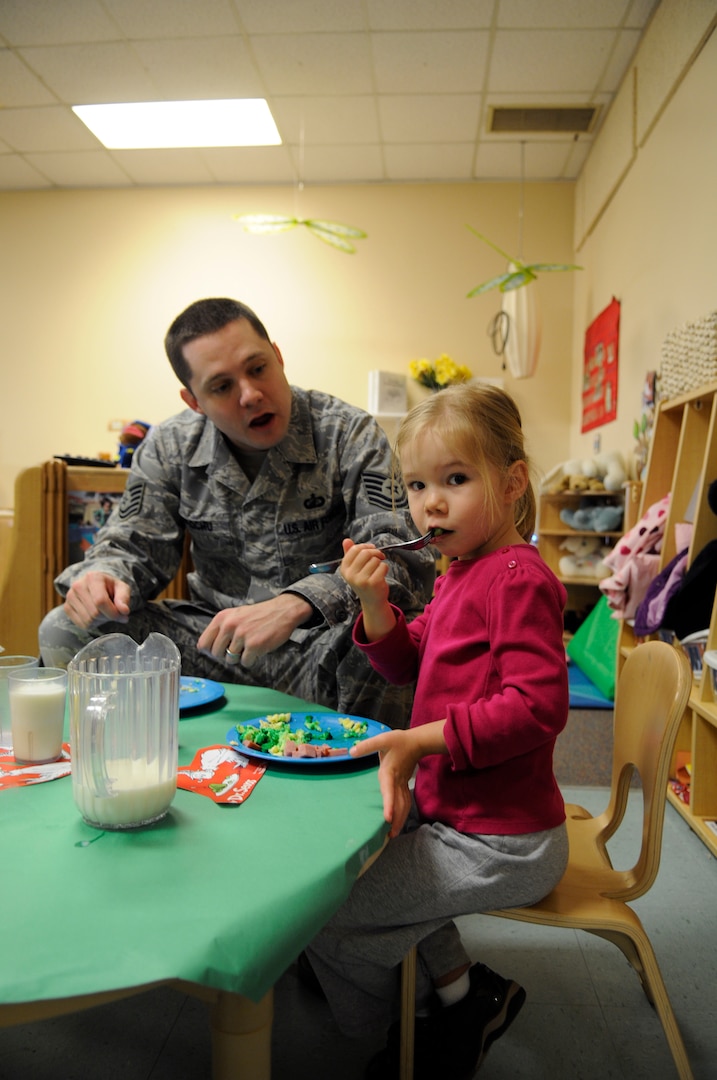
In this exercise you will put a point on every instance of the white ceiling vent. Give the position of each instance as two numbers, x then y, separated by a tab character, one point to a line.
568	120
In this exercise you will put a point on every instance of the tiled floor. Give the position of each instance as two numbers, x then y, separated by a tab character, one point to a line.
585	1018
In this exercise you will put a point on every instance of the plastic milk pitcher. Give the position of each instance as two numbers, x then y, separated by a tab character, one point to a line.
124	729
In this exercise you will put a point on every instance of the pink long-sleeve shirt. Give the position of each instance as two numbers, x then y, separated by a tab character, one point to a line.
489	658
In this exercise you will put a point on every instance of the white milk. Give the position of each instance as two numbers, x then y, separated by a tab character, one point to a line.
140	797
37	713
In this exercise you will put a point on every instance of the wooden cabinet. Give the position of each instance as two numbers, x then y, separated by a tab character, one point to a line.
583	589
39	547
683	462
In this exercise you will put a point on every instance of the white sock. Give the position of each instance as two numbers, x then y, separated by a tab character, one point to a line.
455	991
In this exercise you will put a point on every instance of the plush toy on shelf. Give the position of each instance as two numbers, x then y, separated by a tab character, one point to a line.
599	519
603	472
586	558
130	438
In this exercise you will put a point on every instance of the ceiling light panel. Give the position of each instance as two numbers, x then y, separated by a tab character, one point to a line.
143	125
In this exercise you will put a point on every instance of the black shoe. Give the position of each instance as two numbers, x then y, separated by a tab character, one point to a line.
453	1041
307	976
472	1025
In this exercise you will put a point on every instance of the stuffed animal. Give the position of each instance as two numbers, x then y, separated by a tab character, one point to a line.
604	472
130	438
599	519
611	468
586	557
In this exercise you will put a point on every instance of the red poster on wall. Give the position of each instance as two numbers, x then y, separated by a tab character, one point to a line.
600	368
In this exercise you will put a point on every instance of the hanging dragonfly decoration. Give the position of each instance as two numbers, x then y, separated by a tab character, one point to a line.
517	274
331	232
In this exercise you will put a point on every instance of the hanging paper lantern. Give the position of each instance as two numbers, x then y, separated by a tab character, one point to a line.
524	331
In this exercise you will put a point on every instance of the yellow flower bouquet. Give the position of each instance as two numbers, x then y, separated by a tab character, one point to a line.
435	374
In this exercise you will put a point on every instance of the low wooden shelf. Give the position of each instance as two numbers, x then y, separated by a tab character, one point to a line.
683	463
583	591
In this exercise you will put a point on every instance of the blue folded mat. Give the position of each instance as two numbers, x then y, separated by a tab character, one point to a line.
583	693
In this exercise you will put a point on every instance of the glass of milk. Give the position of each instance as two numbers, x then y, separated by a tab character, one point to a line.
37	713
9	663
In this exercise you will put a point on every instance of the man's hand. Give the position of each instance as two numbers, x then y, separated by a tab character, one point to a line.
96	598
254	630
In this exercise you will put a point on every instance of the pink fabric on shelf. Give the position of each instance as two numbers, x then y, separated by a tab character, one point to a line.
635	561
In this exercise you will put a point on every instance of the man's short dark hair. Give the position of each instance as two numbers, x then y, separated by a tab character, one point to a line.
200	318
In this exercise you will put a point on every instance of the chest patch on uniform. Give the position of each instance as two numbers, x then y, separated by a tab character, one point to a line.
383	491
131	502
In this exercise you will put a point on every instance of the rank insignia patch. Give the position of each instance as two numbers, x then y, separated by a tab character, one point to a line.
383	491
131	502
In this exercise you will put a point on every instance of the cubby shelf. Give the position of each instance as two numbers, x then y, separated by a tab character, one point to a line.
583	591
683	462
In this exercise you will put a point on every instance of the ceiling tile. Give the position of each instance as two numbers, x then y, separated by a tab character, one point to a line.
342	163
447	161
140	20
618	63
541	60
447	62
304	16
90	169
428	15
640	13
17	175
250	165
314	63
50	128
86	74
47	22
189	70
502	161
163	166
413	118
326	119
18	85
561	14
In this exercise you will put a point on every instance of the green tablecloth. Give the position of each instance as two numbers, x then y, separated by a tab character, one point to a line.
224	896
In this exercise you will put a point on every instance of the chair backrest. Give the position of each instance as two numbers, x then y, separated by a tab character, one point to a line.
653	692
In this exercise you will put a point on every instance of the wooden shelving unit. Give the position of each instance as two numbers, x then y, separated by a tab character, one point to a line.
683	461
583	592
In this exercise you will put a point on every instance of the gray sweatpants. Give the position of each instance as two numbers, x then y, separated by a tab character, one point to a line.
320	665
409	896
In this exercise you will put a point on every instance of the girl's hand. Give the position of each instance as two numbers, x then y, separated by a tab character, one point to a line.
398	756
365	569
399	752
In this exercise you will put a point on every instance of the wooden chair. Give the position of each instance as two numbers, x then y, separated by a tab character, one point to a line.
654	688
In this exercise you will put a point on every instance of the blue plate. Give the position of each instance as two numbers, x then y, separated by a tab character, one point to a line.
194	692
330	722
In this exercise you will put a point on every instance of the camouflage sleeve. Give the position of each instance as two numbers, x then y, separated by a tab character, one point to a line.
376	510
142	542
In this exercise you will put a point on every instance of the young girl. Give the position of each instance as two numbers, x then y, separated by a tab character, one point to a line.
484	826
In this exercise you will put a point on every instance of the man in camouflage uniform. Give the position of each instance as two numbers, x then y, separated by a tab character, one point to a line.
265	478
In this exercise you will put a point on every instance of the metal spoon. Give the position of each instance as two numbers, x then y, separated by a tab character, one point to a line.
407	545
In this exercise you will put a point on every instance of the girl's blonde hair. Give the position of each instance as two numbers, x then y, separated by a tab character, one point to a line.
482	423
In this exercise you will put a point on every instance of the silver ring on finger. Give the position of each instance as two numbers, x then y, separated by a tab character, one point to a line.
232	658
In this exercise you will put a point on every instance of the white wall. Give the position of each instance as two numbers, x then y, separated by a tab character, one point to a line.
646	211
90	280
